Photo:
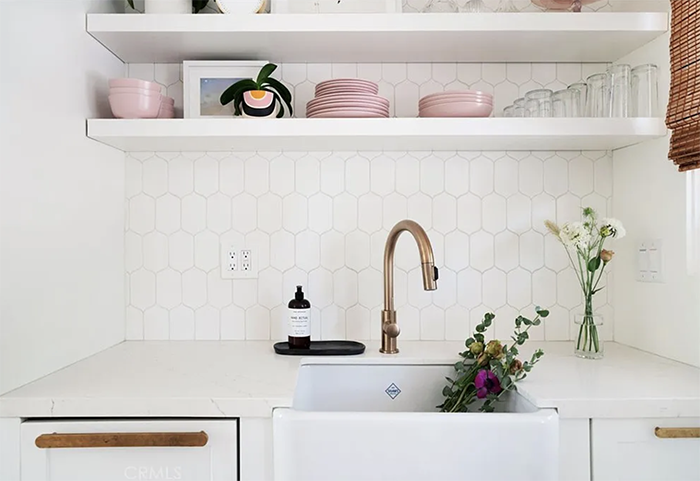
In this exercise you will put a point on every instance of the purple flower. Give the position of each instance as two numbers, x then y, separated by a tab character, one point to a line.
486	382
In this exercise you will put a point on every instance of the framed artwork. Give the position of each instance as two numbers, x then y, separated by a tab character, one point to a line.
205	81
336	6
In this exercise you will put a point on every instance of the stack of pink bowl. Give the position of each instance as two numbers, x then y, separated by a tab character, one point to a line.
347	98
139	99
467	103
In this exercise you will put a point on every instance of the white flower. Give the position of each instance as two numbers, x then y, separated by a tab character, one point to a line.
612	228
575	235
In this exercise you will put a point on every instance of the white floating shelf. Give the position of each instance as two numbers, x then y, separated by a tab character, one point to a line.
483	37
373	134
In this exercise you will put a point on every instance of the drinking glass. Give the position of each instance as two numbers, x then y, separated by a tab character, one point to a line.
506	6
582	89
539	103
519	110
620	81
474	6
565	103
509	111
597	100
441	6
645	91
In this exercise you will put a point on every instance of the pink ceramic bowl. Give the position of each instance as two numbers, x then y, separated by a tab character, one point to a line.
168	100
457	109
134	106
134	83
456	92
463	98
133	90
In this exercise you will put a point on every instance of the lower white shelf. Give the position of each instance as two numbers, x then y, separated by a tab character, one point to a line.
401	134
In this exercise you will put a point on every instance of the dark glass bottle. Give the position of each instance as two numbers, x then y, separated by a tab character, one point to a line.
299	321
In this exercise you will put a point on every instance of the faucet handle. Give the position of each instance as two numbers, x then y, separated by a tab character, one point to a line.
391	329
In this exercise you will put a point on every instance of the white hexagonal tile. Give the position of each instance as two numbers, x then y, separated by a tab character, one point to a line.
320	213
194	288
406	96
382	175
231	176
544	207
290	280
456	176
531	174
557	324
494	284
282	250
556	176
432	175
481	251
269	213
142	289
181	251
245	293
493	73
504	93
519	212
457	250
168	288
320	288
394	73
270	288
155	251
419	73
420	209
345	213
568	208
357	178
333	175
206	251
282	176
257	324
407	175
432	324
155	324
444	73
519	288
133	177
506	251
142	213
569	293
469	213
532	250
232	323
194	211
244	213
206	176
603	175
469	73
395	210
506	176
555	256
257	175
345	288
307	175
279	324
134	324
456	323
417	296
597	203
219	291
168	214
568	73
446	294
357	250
481	176
333	323
295	210
494	213
332	250
318	72
357	323
133	254
544	288
518	73
476	315
581	176
308	250
370	288
544	73
369	213
155	177
504	323
218	213
444	213
293	73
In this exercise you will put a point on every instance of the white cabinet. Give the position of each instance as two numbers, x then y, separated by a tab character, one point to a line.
183	450
629	450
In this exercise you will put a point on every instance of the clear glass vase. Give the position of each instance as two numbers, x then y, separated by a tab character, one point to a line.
589	342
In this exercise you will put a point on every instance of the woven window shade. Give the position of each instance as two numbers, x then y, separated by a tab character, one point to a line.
683	116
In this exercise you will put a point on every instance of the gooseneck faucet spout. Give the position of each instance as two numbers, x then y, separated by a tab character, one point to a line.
390	329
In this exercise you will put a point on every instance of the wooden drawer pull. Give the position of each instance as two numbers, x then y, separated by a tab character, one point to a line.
677	433
121	440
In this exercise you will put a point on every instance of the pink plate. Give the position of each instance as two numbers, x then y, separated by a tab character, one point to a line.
348	113
374	99
559	4
458	109
347	105
336	81
346	85
335	91
456	98
456	92
379	113
449	101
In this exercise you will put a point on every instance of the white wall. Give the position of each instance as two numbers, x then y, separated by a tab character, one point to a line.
61	194
651	198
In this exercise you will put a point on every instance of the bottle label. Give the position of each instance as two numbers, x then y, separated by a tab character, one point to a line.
299	323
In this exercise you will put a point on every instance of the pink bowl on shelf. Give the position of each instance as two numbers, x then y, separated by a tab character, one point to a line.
348	113
478	100
457	109
134	83
449	93
133	90
134	106
168	100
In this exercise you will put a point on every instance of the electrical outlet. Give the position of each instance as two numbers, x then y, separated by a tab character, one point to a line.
237	263
650	261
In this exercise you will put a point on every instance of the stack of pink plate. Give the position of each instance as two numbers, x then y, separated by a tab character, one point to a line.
467	103
345	98
139	99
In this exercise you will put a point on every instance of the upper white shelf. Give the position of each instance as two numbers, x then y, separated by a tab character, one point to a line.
485	37
400	134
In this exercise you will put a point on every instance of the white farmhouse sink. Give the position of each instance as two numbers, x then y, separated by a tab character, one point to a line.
359	422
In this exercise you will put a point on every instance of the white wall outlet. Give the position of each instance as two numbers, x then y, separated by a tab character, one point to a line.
650	261
237	262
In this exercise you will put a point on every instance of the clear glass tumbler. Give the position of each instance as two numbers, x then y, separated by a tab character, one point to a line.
598	97
539	103
509	111
620	78
519	110
566	103
474	6
645	91
582	89
506	6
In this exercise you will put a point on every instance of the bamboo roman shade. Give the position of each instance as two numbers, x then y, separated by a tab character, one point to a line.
684	102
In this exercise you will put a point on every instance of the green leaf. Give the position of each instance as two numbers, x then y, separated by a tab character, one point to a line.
446	391
131	4
480	328
459	366
265	72
488	322
281	89
536	322
542	312
594	264
241	86
527	321
469	342
479	337
199	5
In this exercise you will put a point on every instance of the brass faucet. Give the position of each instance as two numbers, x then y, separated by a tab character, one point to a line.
390	329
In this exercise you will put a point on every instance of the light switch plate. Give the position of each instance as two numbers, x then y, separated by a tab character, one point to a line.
650	261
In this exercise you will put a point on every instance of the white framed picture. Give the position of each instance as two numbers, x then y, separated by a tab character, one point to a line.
204	82
337	6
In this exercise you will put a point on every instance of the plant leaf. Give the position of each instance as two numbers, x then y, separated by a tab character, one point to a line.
131	4
199	5
281	89
265	72
242	85
594	264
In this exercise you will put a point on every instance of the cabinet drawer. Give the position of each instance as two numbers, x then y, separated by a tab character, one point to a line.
633	449
183	450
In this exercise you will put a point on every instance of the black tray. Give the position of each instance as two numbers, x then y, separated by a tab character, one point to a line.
322	348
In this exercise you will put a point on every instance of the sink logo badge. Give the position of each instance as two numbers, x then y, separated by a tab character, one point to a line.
393	391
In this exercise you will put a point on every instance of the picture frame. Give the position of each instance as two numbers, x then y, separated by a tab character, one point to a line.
205	80
335	6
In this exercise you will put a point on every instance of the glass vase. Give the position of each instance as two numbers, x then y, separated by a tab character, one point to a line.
589	343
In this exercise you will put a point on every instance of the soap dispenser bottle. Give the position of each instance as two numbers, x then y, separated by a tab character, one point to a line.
299	321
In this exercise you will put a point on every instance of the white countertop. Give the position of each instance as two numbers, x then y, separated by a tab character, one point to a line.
246	379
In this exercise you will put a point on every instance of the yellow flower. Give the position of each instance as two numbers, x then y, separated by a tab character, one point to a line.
476	348
494	349
552	227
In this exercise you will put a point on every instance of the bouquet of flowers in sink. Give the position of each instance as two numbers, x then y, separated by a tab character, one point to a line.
489	370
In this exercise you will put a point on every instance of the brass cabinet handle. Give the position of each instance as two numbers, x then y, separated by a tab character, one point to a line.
677	433
121	440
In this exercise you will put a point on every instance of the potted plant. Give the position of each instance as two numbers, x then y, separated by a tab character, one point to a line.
259	98
172	6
